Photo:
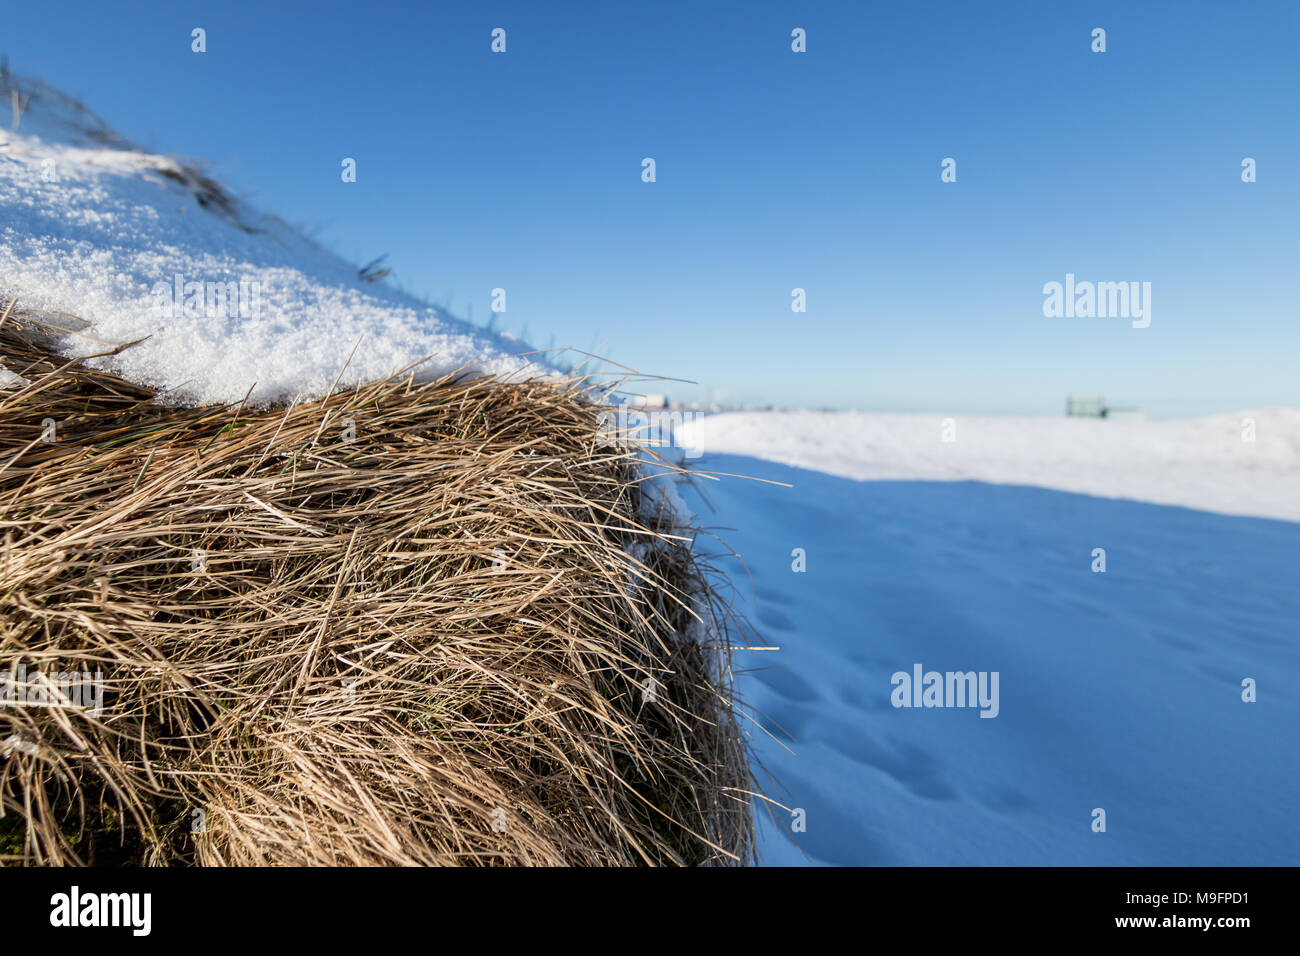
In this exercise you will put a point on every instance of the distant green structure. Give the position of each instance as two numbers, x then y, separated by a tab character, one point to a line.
1094	406
1085	406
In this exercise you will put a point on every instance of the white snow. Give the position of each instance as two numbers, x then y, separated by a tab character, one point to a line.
9	380
1205	463
1119	690
98	231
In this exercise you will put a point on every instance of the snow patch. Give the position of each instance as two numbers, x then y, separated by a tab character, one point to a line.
95	229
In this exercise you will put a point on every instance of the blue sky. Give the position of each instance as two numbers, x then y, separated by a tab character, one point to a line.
775	170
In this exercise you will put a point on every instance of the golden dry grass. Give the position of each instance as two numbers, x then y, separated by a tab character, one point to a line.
425	644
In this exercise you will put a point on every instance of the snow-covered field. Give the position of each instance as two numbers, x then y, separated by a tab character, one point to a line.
230	299
1118	690
1246	463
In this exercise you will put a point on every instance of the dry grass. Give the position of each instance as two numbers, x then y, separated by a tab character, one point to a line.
425	645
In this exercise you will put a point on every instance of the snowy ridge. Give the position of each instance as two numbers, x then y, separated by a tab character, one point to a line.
140	245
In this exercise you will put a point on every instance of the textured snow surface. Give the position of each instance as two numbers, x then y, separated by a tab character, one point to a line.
100	232
1119	690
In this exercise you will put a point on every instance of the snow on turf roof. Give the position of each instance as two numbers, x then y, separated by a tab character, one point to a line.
94	228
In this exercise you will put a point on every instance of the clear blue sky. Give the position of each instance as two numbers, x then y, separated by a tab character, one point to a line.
775	170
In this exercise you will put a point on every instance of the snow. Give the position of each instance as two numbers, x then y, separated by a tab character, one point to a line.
1119	690
101	231
1246	463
